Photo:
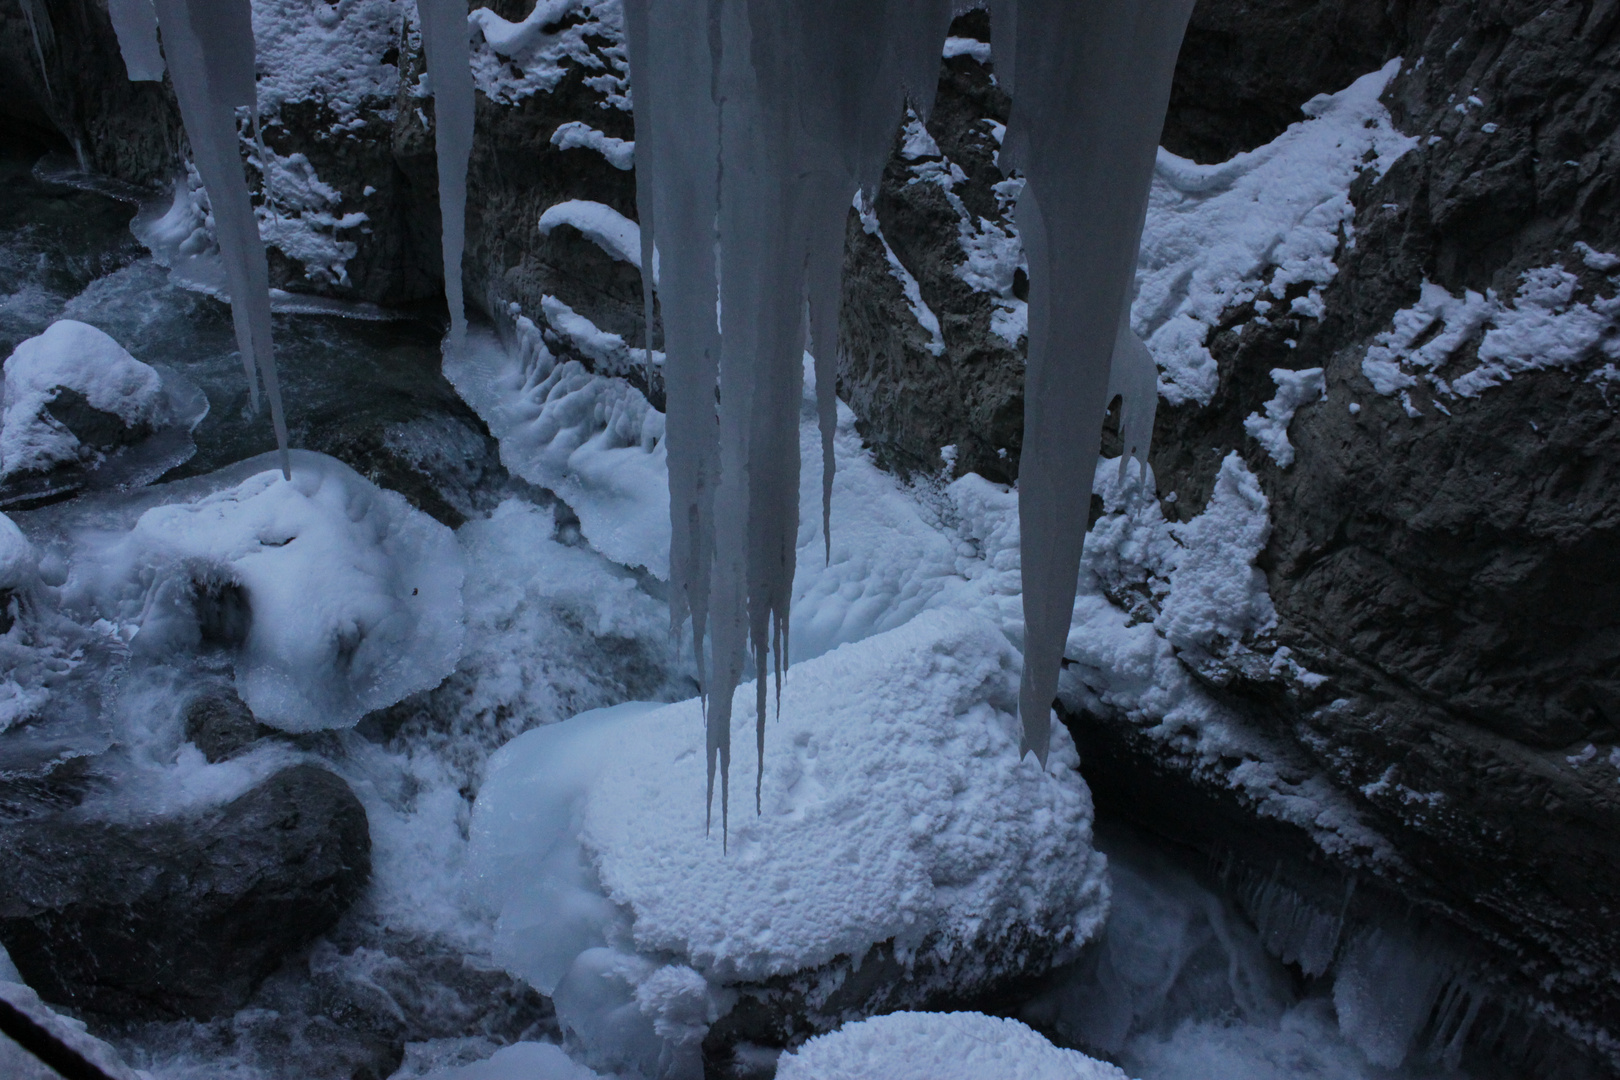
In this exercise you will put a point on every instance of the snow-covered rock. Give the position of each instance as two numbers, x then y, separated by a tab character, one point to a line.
331	596
71	356
895	815
939	1046
520	1061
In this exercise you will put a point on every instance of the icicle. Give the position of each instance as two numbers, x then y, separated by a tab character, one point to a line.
1133	376
135	23
635	20
210	51
1093	83
445	39
800	112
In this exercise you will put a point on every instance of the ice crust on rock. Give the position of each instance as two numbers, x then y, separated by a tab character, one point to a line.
332	597
897	810
74	356
939	1046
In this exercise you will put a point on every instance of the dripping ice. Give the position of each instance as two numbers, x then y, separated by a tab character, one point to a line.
753	130
209	47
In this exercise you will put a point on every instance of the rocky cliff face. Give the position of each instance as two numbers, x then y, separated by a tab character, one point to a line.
1442	555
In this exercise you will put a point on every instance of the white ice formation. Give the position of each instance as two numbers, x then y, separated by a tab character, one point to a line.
74	356
1294	389
519	1061
756	124
209	46
330	596
898	811
939	1046
445	41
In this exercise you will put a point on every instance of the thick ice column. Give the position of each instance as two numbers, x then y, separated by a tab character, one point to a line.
135	23
210	51
445	39
1092	86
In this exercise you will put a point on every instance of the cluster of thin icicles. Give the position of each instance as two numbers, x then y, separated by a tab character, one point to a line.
757	121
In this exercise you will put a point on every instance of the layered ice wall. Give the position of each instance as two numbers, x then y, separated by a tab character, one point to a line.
756	123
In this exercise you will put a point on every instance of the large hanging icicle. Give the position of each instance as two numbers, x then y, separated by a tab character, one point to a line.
756	121
210	50
135	23
445	40
1090	84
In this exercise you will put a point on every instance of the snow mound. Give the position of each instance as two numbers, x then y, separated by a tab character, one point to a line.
895	807
520	1061
939	1046
333	597
71	356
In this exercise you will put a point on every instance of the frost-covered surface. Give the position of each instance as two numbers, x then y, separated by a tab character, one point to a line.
602	225
514	60
1294	389
304	216
939	1046
74	356
1253	228
1545	326
620	153
338	596
1216	591
895	808
330	53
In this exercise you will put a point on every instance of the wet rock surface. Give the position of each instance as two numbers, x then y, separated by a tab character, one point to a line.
180	918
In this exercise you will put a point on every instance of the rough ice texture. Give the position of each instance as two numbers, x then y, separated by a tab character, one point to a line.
329	53
591	438
1545	326
1216	591
74	356
939	1046
1276	214
1294	389
620	153
334	596
303	216
896	809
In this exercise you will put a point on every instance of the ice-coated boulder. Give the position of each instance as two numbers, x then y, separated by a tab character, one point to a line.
939	1046
330	596
71	392
902	850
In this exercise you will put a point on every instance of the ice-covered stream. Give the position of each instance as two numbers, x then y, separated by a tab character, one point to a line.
560	619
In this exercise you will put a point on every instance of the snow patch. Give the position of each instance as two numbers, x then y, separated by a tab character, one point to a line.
908	285
602	225
1294	389
511	61
620	153
1271	219
939	1046
1216	591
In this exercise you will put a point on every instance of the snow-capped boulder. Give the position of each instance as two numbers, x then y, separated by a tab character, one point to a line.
331	596
939	1046
71	393
902	850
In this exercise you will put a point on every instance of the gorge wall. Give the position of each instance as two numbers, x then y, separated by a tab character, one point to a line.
1442	558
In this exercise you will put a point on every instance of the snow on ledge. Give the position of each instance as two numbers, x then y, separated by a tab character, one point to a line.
939	1046
1294	389
604	226
576	134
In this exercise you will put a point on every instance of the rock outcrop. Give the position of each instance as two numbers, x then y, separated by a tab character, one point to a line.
180	918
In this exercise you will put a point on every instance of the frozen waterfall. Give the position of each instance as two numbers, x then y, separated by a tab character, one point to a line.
210	51
757	121
445	40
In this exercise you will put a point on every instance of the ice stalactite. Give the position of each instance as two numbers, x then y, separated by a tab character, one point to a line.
135	23
210	50
1090	84
756	123
1134	378
445	39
